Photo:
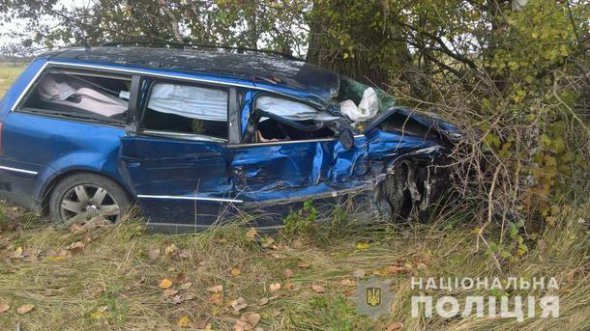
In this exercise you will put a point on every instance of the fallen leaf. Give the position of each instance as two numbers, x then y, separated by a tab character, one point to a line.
249	319
318	288
267	242
304	265
50	292
215	289
177	299
4	307
274	287
184	322
154	253
165	283
201	325
347	282
216	299
290	286
170	249
241	326
263	301
17	254
182	254
25	308
251	233
169	292
99	313
360	273
185	286
288	273
362	245
235	271
181	277
392	270
239	304
76	247
395	326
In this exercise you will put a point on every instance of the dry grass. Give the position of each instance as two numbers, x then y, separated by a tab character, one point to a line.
118	271
8	73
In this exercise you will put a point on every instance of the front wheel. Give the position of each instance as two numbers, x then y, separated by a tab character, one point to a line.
84	196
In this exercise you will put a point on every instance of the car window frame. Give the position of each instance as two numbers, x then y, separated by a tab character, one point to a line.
144	101
258	94
56	68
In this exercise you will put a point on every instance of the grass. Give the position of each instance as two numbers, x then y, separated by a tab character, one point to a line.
108	278
8	73
113	281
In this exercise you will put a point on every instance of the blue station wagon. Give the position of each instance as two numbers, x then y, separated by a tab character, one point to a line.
195	137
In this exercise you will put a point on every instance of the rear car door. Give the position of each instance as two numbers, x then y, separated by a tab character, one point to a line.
177	158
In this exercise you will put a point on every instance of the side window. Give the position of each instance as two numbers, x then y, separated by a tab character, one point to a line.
280	119
83	95
187	109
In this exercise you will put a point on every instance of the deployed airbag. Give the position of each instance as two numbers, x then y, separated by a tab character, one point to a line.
190	101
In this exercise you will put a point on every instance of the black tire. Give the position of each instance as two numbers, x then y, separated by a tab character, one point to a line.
65	198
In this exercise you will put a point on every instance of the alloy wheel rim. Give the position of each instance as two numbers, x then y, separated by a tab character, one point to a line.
86	201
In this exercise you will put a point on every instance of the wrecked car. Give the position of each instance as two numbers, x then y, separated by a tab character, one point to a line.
194	137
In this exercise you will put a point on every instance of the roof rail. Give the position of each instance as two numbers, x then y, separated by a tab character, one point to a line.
185	46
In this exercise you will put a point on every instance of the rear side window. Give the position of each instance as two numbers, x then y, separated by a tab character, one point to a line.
82	95
187	109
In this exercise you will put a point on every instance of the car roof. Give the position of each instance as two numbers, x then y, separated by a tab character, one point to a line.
294	78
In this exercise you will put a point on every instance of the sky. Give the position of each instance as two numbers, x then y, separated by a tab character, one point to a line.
9	31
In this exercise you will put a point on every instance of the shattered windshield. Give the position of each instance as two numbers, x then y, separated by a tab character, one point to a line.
360	102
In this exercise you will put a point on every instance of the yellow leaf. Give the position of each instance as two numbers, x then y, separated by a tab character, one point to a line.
165	283
100	313
184	322
345	56
251	234
171	249
235	271
274	287
25	308
362	245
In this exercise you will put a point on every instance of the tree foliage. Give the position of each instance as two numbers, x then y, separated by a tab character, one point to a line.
514	73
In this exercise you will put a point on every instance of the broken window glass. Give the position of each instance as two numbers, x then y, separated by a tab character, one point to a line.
281	119
360	102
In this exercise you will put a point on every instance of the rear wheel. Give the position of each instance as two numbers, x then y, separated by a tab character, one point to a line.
84	196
